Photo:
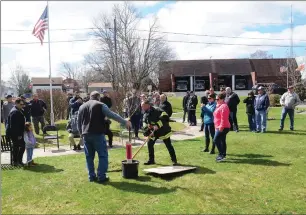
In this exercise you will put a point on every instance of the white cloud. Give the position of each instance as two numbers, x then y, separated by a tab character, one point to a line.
207	18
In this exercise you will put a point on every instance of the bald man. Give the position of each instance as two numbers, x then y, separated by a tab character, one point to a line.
165	105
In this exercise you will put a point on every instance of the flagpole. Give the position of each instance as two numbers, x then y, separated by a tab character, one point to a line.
50	76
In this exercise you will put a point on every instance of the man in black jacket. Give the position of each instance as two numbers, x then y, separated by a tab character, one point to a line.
26	109
185	108
157	127
165	105
38	109
204	101
106	99
192	107
15	131
232	100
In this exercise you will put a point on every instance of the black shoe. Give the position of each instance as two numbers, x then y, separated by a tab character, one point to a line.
110	146
15	164
200	130
175	163
21	164
103	181
74	148
212	152
93	179
237	131
257	131
280	129
291	129
206	150
149	163
78	147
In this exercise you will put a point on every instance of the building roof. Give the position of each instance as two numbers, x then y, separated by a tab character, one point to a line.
100	84
43	81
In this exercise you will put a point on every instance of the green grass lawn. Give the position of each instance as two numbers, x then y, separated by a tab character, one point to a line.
263	174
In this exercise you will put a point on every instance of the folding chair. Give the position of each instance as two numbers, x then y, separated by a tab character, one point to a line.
54	136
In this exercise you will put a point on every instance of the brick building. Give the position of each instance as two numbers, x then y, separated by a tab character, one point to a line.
239	74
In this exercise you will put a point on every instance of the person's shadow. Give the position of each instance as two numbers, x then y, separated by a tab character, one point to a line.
140	188
43	168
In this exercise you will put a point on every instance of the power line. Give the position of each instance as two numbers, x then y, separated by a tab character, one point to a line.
169	32
170	41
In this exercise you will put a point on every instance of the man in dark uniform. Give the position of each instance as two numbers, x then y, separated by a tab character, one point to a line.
69	97
157	127
185	108
165	105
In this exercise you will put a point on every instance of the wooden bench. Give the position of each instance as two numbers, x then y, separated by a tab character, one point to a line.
7	146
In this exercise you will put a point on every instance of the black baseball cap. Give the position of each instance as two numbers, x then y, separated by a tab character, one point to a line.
9	96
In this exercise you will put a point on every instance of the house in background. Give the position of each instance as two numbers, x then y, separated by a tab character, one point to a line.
99	87
40	84
70	85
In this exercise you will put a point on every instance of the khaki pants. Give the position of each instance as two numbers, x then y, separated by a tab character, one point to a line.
72	142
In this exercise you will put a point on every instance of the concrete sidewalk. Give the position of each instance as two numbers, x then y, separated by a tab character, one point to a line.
186	134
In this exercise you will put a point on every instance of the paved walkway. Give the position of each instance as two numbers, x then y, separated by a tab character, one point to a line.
186	134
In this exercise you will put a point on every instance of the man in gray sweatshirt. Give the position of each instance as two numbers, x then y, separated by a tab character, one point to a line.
289	101
7	107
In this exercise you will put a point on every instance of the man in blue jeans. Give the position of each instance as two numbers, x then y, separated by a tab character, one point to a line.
261	106
289	101
91	125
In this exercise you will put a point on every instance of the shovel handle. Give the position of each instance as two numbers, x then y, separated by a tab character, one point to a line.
147	140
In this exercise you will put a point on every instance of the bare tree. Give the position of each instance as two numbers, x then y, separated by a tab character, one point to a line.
126	56
70	71
20	80
260	54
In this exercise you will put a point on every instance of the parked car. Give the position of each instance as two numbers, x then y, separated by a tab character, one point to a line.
200	85
181	85
272	87
240	84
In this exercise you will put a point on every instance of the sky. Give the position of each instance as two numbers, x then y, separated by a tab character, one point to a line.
220	29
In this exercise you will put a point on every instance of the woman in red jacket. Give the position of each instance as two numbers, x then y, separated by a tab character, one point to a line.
222	126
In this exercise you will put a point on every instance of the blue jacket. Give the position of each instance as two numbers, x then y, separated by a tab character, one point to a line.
261	102
208	111
74	105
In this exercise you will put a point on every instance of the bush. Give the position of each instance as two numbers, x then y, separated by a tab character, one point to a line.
274	100
300	89
59	104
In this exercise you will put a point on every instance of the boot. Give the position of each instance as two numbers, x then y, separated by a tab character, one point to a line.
149	163
207	146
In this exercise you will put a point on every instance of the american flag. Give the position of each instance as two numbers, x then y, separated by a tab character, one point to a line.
41	26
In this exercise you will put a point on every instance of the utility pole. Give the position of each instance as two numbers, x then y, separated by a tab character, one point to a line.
115	42
291	48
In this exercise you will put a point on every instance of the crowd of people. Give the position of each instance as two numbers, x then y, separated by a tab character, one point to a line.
89	120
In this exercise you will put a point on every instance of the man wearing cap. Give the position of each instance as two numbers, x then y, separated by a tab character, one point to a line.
261	105
38	109
91	125
6	109
289	101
